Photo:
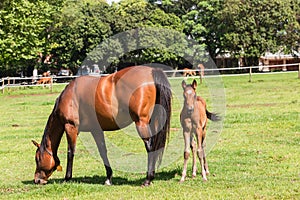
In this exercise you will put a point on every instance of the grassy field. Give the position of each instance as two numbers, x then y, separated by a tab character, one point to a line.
257	155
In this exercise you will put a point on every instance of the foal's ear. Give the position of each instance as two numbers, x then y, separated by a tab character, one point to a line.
35	143
194	84
183	84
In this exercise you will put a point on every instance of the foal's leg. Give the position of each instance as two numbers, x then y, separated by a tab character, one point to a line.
200	152
204	156
100	142
71	132
187	143
193	147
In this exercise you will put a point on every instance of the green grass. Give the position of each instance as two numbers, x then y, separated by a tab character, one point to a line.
256	156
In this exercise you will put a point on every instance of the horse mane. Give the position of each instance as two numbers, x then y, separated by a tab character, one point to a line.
53	126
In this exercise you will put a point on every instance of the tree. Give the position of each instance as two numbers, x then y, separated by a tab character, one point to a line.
256	26
150	41
200	21
24	27
80	27
244	28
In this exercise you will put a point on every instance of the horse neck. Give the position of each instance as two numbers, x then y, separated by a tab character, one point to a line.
52	134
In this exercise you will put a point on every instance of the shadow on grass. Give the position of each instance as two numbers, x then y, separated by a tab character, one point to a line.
163	176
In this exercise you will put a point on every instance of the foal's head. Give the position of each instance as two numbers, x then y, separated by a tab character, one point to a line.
190	96
45	164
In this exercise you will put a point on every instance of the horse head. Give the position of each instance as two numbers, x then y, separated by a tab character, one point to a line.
46	164
190	96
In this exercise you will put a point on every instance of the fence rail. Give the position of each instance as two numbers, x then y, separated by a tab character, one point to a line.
13	82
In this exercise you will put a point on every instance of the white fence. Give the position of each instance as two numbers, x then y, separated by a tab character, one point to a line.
13	82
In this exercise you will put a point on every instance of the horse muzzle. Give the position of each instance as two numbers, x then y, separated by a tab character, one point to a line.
190	111
40	181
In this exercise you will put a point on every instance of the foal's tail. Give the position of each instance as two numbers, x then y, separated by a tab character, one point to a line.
162	112
212	116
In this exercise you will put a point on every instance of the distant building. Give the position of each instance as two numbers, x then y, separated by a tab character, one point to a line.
265	61
270	59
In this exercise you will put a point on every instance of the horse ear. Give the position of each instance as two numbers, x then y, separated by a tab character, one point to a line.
194	84
183	84
35	143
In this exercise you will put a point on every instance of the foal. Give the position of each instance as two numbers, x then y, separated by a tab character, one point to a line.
193	118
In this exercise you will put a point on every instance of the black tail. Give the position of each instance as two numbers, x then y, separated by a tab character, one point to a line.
162	113
212	116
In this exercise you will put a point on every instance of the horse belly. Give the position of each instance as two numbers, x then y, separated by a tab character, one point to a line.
115	124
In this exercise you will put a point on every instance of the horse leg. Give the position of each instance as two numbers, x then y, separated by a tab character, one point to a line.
204	158
145	133
187	140
193	147
203	147
152	158
100	142
71	132
200	151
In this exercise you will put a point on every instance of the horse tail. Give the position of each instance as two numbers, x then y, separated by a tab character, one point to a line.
160	119
212	116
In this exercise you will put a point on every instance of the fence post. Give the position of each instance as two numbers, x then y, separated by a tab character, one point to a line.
2	85
51	84
299	70
8	83
250	74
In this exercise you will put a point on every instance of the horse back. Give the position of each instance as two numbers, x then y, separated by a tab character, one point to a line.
111	102
124	97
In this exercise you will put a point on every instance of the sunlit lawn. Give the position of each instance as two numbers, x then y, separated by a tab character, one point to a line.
255	157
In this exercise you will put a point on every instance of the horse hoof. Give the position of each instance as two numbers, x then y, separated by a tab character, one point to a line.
204	179
108	182
207	172
146	184
67	179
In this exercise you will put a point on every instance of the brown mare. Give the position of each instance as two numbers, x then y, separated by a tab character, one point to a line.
136	94
193	118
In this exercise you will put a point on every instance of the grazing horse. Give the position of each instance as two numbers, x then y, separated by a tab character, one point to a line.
44	80
97	104
193	119
188	72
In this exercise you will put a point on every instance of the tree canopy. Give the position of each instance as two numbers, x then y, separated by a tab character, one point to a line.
254	27
24	30
243	28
